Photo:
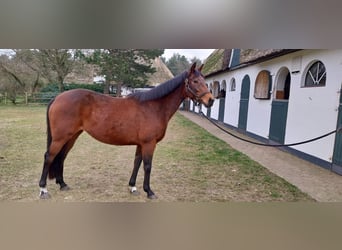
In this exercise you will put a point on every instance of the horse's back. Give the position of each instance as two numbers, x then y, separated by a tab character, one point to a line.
80	96
72	108
80	100
107	119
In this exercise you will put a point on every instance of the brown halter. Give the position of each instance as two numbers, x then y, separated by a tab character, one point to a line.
196	98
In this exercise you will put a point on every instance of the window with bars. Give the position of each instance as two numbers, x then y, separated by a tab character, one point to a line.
316	75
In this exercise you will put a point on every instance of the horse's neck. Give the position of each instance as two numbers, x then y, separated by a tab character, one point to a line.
172	101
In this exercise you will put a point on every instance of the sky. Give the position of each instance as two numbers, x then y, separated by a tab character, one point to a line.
5	51
189	53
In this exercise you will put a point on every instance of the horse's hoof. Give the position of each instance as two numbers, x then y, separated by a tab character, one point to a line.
135	193
133	190
65	188
152	197
44	195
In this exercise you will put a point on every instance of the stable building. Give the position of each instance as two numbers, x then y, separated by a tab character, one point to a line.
280	96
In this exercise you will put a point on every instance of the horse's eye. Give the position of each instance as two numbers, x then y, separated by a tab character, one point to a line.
195	81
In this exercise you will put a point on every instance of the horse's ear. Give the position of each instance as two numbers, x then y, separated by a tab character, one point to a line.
193	67
200	68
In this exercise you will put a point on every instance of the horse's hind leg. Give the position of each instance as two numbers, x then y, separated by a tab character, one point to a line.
137	163
60	158
59	161
147	155
49	157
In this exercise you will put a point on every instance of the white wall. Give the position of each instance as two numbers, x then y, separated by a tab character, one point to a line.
191	105
258	110
214	112
197	109
231	115
311	112
204	109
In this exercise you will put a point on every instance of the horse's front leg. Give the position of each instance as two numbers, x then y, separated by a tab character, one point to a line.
147	155
137	163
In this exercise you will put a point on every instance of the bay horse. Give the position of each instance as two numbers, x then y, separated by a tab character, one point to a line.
139	119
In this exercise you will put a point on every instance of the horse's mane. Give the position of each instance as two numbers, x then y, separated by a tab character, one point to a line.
161	90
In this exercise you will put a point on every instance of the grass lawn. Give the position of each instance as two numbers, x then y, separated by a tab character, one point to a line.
188	165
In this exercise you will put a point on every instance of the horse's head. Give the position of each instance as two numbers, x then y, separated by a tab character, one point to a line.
196	89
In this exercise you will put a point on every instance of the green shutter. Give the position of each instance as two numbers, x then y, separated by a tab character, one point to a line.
278	121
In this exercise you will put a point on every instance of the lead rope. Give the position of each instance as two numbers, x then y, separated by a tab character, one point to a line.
272	145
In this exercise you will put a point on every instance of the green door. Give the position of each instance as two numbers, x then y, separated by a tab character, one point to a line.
221	109
278	121
244	99
209	112
337	157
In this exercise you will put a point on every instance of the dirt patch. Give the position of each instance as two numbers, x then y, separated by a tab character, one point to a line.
188	165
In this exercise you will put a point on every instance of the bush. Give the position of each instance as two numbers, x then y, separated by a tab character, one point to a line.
52	90
94	87
53	87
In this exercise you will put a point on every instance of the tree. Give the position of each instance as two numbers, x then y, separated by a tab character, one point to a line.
30	59
195	60
163	59
16	77
52	64
60	61
128	67
177	64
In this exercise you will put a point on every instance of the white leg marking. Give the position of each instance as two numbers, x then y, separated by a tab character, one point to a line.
43	190
133	189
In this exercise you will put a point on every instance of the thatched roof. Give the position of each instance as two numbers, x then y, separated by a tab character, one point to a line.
161	75
215	61
219	60
84	75
249	55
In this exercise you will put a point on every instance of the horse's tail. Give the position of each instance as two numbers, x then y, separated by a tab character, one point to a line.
48	131
54	165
